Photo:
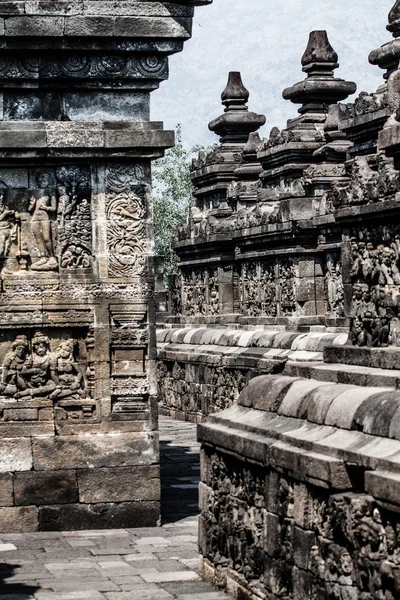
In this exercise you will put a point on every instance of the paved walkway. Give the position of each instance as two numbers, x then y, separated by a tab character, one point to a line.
129	564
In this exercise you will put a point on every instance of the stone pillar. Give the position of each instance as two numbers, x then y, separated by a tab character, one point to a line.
78	417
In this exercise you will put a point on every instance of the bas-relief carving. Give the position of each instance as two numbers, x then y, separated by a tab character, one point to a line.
32	370
46	228
375	275
126	220
213	389
200	292
334	285
370	179
257	520
84	66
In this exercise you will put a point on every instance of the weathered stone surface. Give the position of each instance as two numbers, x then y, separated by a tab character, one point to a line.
77	293
69	517
19	519
6	489
15	455
48	487
94	451
119	484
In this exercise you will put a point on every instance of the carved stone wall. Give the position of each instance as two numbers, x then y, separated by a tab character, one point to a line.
78	407
298	497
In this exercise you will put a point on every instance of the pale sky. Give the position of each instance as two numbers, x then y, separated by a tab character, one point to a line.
265	40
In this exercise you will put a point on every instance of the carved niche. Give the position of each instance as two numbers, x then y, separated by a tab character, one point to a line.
46	228
334	285
50	369
259	288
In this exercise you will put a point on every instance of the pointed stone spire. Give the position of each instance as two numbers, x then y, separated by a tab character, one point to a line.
321	88
237	121
387	57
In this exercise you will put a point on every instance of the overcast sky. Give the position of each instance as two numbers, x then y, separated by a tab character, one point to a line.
265	40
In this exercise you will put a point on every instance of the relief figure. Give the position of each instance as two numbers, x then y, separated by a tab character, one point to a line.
40	375
15	364
8	228
40	372
43	206
68	374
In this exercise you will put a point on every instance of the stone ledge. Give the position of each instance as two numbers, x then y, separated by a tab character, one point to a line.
253	434
82	135
261	338
373	410
102	24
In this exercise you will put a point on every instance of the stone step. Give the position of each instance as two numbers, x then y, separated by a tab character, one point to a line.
347	374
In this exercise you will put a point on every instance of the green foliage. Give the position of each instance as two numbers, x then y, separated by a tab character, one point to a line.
172	192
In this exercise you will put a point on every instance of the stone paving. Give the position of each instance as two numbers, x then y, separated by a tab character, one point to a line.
128	564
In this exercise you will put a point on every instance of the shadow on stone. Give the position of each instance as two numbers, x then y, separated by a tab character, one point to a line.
17	591
180	473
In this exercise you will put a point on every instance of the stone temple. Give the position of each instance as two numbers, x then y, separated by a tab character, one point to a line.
281	334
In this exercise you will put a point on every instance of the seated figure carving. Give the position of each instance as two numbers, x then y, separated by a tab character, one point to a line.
41	373
67	373
15	364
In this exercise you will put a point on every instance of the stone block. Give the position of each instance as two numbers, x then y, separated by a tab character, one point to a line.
20	414
89	26
265	392
6	489
34	26
383	486
45	487
375	415
20	519
302	542
153	27
68	517
119	484
297	395
15	455
320	400
344	407
318	469
94	451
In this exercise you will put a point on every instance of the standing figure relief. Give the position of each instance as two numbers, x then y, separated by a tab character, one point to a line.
8	227
48	225
42	208
32	370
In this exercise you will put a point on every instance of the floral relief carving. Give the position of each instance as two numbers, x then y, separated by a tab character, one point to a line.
126	220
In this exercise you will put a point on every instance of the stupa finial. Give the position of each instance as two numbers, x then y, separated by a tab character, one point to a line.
235	96
237	121
321	88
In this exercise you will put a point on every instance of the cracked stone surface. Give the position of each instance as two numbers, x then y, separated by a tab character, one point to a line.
125	564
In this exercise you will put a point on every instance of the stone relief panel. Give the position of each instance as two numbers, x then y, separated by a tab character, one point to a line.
45	228
194	389
199	291
50	368
175	294
126	214
375	278
334	284
292	540
287	280
370	179
263	293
